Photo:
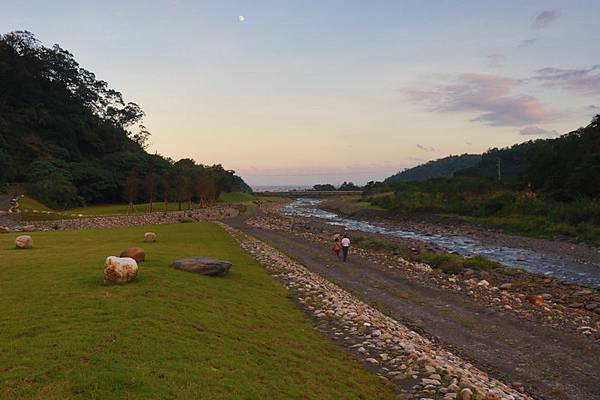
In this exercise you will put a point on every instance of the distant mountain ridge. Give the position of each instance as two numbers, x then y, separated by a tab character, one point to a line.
440	168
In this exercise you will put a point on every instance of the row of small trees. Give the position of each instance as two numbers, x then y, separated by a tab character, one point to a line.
183	189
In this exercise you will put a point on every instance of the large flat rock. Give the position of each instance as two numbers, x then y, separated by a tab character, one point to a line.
203	265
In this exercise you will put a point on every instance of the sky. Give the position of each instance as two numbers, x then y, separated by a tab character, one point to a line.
303	92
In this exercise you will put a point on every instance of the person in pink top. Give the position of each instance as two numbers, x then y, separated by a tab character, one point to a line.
337	247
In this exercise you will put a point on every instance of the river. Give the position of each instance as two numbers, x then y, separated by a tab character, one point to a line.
533	261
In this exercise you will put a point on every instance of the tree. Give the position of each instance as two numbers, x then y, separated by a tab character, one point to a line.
180	189
166	189
141	137
206	190
324	187
348	186
132	188
151	182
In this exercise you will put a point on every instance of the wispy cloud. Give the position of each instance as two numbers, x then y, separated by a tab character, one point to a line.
425	148
537	131
528	42
545	18
489	96
593	107
496	60
583	81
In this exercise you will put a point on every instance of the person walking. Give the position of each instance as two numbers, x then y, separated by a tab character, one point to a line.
345	247
337	247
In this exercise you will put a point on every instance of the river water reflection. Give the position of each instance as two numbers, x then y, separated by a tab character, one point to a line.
548	264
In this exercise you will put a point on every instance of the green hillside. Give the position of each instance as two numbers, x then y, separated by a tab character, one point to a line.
443	167
72	140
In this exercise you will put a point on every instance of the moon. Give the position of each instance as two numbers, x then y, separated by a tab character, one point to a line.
241	18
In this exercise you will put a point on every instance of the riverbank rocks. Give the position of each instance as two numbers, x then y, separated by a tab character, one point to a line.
137	253
120	270
150	237
24	242
535	299
203	265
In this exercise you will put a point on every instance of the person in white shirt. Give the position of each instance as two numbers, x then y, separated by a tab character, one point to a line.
345	247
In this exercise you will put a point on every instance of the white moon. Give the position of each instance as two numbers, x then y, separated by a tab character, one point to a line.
241	18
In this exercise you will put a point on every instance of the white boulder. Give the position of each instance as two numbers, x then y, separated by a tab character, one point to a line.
120	270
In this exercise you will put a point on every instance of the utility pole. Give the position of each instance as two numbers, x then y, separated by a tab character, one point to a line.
499	171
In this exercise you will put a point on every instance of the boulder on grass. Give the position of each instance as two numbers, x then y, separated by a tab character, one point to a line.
203	265
137	253
149	237
24	242
120	270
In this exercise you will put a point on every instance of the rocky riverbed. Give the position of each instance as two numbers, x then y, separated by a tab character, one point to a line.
431	224
417	367
527	295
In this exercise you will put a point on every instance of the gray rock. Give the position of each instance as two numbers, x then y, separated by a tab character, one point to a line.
203	265
592	306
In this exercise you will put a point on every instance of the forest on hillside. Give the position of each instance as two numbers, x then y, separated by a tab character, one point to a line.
541	187
70	139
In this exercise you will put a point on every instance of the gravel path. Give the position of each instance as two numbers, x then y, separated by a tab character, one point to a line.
548	363
419	368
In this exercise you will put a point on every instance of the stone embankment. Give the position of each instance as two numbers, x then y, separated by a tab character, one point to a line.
202	214
418	368
533	297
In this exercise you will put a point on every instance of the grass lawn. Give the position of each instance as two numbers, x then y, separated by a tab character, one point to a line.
236	197
169	335
27	203
114	209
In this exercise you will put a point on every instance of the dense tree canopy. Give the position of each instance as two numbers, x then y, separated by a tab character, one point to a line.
71	138
564	168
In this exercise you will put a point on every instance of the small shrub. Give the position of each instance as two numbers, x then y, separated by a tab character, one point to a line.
448	263
481	262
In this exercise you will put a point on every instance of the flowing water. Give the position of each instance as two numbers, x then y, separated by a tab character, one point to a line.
548	264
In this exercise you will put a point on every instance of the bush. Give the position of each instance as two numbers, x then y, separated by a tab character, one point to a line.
448	263
481	262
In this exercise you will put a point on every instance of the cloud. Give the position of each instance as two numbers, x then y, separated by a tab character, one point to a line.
528	42
545	18
425	148
593	107
496	60
489	96
583	81
537	131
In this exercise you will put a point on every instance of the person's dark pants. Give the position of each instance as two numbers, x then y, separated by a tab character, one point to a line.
345	252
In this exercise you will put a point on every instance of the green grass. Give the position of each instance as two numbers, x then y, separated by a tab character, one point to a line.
455	264
539	227
236	197
169	335
27	203
446	262
115	209
369	206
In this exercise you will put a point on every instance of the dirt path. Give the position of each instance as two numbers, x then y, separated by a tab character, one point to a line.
548	363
